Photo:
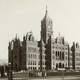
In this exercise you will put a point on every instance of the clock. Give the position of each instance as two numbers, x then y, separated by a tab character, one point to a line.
49	27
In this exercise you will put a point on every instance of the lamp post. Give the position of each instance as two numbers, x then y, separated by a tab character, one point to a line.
10	72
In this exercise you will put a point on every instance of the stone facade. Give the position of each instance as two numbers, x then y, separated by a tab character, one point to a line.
47	54
70	58
32	53
46	33
15	51
76	56
42	55
59	54
24	54
56	50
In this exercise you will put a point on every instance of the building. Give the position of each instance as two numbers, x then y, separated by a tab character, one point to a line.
24	54
32	53
59	55
75	56
47	54
15	51
41	46
70	58
46	33
56	50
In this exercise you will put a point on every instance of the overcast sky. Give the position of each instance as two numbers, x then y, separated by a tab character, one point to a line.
21	16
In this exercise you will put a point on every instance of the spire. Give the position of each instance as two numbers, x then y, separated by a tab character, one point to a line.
46	9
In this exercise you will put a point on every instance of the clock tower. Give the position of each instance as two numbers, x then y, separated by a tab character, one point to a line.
46	27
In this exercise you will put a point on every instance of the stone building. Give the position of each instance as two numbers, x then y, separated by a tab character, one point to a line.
56	50
15	51
47	54
70	58
32	53
41	46
59	55
75	56
46	34
24	54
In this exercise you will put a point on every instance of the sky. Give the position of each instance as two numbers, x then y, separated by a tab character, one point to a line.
21	16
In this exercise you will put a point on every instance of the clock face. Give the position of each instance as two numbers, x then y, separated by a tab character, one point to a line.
49	27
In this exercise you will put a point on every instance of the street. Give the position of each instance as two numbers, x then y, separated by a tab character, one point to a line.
51	78
60	78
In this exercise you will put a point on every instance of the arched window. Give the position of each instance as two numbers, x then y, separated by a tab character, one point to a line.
62	65
60	55
56	65
59	65
56	53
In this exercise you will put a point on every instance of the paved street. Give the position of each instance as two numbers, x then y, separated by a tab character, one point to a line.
52	78
59	78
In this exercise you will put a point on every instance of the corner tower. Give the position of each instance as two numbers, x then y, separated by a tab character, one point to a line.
46	27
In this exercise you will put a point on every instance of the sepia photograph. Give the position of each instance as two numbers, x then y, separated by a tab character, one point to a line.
39	40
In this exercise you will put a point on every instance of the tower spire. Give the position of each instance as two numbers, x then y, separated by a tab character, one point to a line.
46	9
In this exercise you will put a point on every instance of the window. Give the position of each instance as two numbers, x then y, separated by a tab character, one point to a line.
31	62
62	55
56	53
35	62
43	68
39	63
31	55
53	63
66	57
35	56
39	68
43	63
53	57
66	64
31	68
28	62
66	53
35	68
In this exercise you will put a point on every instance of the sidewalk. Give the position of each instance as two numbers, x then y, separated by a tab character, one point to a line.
58	78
